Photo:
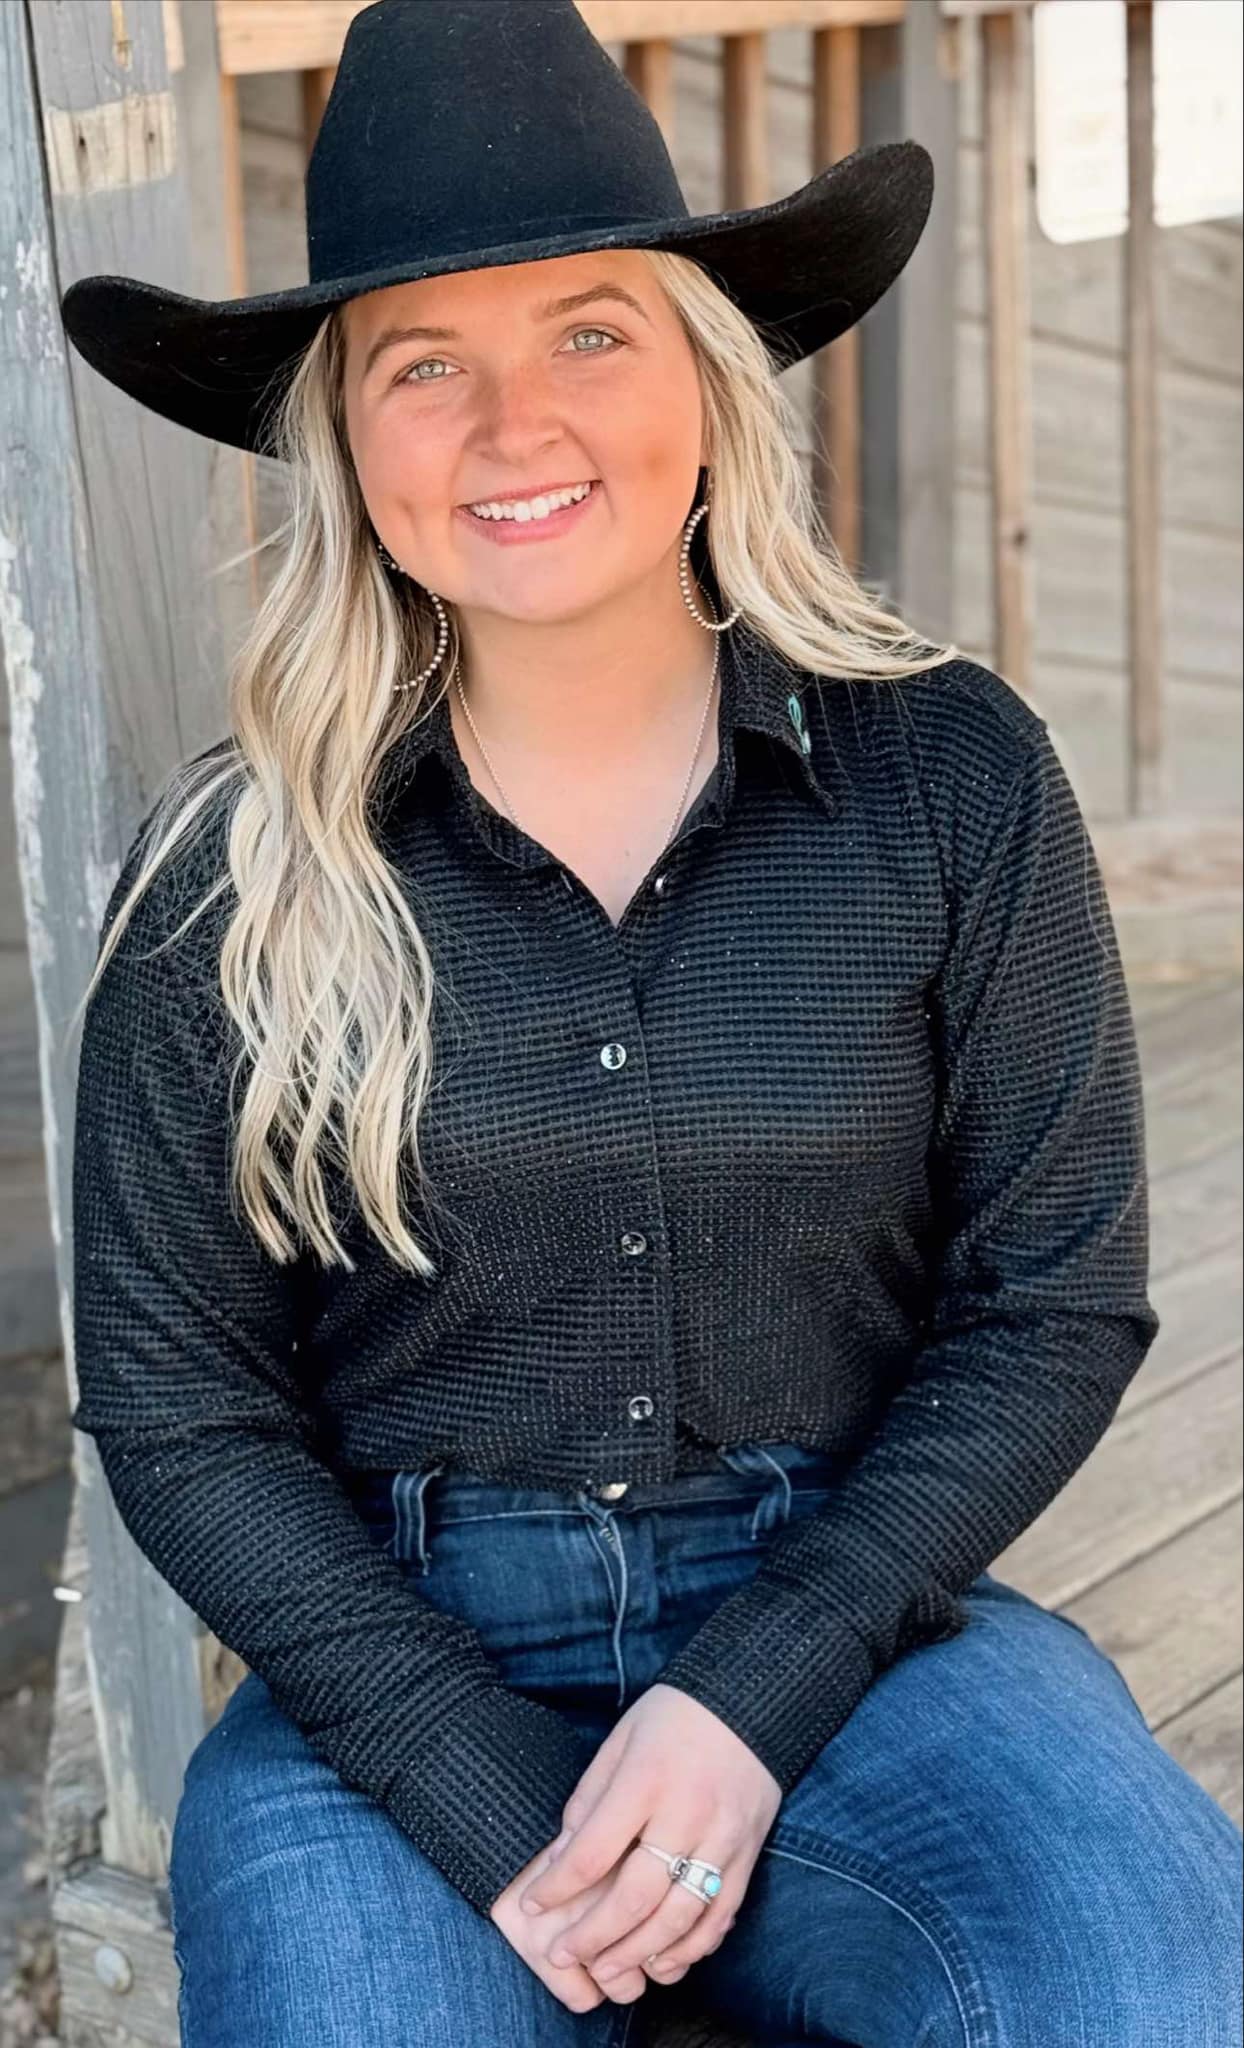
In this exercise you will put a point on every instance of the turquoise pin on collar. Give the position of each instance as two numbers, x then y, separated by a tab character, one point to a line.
795	710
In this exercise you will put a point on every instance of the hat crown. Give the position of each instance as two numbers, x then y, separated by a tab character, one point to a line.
467	125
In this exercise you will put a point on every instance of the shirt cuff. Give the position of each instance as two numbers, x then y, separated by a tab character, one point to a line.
784	1672
487	1791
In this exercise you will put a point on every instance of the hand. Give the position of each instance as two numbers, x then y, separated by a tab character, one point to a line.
533	1939
671	1772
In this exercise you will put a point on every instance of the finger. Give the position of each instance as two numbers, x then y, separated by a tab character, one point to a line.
673	1963
595	1780
591	1787
576	1987
602	1841
638	1888
677	1933
624	1990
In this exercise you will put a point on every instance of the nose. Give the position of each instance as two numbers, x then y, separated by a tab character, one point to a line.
515	408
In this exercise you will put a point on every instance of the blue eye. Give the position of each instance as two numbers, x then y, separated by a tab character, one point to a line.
410	375
610	338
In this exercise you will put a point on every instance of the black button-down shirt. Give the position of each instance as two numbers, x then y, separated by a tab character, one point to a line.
836	1136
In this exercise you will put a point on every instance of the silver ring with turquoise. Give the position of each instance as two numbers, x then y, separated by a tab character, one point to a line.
691	1872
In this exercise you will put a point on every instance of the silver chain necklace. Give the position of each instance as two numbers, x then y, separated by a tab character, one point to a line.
456	677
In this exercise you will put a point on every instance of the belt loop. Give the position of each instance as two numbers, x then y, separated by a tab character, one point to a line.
773	1511
773	1507
410	1517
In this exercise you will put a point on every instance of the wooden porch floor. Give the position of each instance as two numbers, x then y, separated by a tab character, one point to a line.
1143	1548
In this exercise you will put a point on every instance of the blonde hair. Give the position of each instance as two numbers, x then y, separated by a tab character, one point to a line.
323	967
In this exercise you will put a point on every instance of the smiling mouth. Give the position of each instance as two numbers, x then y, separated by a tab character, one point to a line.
525	511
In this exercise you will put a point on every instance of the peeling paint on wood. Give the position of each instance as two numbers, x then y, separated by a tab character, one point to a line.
130	141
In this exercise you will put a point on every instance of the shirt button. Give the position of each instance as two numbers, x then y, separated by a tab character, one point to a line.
613	1489
659	884
613	1055
640	1407
633	1242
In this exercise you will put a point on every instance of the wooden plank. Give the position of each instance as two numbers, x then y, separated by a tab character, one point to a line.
1201	1310
835	407
1175	890
1010	374
1171	1621
115	1957
75	1794
1081	571
745	140
907	342
1160	1468
210	120
1077	287
299	35
1147	786
1192	1028
1171	859
1205	1739
1153	1000
1195	1210
976	10
315	87
1191	1120
1077	398
108	581
650	68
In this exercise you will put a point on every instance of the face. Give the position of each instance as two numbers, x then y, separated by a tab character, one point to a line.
495	386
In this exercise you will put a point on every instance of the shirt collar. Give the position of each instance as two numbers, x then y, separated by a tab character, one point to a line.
761	692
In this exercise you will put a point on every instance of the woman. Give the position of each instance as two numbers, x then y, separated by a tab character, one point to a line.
609	1176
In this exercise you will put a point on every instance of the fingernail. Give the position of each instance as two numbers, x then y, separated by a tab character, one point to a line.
605	1972
532	1906
561	1841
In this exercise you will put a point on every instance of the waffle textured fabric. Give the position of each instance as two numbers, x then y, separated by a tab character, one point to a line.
836	1136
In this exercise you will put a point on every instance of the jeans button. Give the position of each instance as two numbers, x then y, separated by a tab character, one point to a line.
611	1489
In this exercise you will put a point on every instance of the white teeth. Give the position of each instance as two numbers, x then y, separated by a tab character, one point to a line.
531	508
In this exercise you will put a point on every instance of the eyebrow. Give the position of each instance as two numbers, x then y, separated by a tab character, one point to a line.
389	337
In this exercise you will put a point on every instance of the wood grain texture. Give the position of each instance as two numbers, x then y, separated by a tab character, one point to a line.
111	642
299	35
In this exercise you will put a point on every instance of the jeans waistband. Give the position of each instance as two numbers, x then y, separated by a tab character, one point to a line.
768	1473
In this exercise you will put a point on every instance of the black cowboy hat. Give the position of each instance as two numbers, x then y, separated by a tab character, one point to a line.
460	134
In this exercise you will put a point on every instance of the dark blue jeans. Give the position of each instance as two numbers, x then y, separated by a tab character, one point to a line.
993	1852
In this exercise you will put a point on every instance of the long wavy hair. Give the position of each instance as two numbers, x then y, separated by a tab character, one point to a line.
323	967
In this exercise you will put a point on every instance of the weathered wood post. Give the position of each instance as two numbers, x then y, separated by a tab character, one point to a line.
114	634
907	341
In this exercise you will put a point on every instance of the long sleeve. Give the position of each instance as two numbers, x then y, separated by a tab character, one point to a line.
1038	1311
185	1351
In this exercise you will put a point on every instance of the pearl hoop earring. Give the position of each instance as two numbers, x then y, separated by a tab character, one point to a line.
442	626
684	579
684	572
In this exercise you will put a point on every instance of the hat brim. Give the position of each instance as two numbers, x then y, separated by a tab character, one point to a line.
803	268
